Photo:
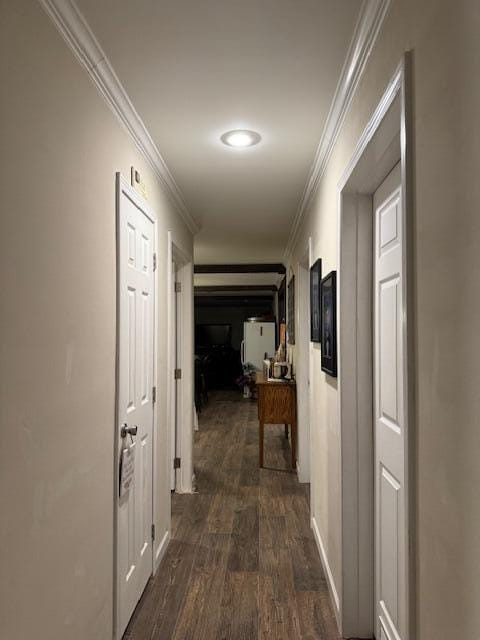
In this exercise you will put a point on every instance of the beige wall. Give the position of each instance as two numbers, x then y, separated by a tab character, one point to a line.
444	37
60	147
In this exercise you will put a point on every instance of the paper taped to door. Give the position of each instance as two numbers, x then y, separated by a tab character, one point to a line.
127	468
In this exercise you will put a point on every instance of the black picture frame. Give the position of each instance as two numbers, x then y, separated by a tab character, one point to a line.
315	306
291	311
328	295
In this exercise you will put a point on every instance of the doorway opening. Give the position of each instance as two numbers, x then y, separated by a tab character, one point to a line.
376	357
236	314
175	372
180	399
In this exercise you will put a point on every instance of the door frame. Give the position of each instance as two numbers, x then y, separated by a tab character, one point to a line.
386	140
173	343
184	475
123	186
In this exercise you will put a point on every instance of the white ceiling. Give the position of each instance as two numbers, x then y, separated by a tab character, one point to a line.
196	68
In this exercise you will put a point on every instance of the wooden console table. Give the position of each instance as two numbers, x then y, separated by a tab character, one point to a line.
277	405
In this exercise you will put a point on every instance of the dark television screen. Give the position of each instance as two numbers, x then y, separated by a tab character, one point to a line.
207	335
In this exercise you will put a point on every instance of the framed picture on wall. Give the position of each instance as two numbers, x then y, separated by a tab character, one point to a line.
315	316
328	295
291	311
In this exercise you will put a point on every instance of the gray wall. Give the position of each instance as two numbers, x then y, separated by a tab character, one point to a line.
60	146
444	37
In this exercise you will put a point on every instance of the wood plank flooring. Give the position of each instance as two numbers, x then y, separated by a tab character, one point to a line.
242	563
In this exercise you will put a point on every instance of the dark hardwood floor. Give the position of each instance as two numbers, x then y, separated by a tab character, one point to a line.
242	563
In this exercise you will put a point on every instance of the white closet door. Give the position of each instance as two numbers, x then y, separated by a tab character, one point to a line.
389	341
135	407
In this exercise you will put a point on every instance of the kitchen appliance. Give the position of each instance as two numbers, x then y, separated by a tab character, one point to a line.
281	370
258	340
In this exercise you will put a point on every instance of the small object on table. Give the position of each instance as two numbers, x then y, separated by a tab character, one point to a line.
267	367
277	405
281	371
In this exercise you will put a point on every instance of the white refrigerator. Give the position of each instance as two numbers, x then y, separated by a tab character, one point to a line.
258	340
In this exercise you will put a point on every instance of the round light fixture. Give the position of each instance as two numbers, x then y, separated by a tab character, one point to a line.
240	138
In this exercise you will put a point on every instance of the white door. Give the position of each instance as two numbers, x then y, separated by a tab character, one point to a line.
390	455
258	339
135	402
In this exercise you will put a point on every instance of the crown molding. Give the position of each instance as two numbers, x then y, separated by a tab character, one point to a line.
369	23
76	32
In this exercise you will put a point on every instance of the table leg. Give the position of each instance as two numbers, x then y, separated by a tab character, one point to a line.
260	443
286	431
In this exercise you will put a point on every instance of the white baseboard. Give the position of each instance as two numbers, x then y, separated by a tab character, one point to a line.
160	550
190	489
301	479
328	571
184	484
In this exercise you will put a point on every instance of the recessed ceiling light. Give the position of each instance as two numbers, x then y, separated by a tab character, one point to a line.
240	138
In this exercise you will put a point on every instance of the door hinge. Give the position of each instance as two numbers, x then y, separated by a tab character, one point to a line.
178	287
153	532
176	463
177	374
154	261
154	395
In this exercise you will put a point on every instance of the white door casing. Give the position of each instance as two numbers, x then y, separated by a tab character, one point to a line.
389	406
184	360
136	313
303	369
385	141
178	383
174	386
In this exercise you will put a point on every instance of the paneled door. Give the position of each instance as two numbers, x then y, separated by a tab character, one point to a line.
390	423
135	403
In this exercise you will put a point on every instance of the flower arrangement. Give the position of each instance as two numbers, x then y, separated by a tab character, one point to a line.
247	380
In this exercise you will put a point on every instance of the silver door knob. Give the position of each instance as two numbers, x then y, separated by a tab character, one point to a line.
128	431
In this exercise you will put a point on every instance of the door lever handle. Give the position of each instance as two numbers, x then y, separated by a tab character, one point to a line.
128	431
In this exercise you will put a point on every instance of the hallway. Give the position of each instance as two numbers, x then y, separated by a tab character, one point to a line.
196	192
242	563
